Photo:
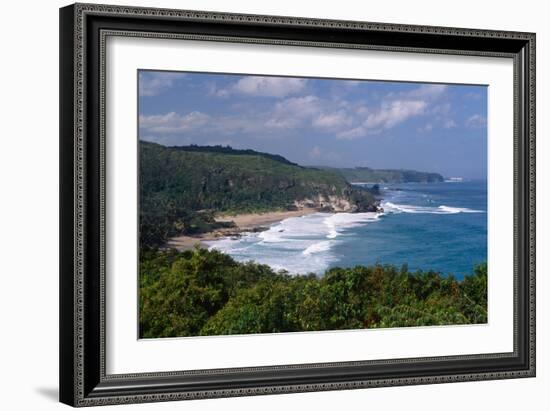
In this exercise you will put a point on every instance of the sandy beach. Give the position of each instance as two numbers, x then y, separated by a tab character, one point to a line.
244	223
256	220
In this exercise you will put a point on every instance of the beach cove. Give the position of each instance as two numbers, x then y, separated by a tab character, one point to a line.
439	226
244	223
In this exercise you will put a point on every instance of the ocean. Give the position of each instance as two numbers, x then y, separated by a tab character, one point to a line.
428	226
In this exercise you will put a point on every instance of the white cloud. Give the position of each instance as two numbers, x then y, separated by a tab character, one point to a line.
339	117
449	123
299	106
293	112
396	108
332	121
426	91
282	118
476	121
324	115
356	132
391	114
387	116
442	115
152	84
264	86
473	95
172	123
195	122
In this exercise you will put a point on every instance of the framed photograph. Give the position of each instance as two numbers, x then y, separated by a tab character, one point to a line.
261	204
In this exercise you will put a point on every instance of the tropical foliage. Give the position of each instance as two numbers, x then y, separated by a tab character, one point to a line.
202	292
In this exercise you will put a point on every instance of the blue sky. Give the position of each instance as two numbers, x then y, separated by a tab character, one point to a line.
333	122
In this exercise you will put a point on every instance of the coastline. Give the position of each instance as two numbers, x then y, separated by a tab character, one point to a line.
244	223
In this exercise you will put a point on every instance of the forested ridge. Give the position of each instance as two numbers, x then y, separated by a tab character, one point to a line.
366	174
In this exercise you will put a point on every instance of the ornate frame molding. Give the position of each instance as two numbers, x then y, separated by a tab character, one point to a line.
83	378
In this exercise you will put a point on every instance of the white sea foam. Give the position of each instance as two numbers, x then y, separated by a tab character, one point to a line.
306	244
298	244
390	207
317	248
342	221
454	210
295	228
233	244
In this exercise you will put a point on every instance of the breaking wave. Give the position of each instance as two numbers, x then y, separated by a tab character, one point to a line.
297	244
390	207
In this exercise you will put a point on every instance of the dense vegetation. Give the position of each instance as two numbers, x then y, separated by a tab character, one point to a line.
201	292
193	148
182	187
365	174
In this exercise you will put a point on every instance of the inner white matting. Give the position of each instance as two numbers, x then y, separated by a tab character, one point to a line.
125	353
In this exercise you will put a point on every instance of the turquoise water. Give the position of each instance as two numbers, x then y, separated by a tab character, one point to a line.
437	226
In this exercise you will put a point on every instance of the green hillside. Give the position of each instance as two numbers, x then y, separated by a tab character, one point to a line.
365	174
182	187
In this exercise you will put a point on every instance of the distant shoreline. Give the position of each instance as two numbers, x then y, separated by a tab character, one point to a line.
245	223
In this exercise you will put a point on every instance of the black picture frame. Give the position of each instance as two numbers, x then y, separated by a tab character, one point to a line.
83	29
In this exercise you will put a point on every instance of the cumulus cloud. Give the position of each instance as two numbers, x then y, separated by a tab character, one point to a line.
473	95
195	123
387	116
293	112
345	119
173	123
264	86
323	115
442	115
395	112
332	121
426	91
449	123
397	108
476	121
152	84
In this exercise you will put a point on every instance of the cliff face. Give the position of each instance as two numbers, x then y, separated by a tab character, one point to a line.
336	204
328	203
